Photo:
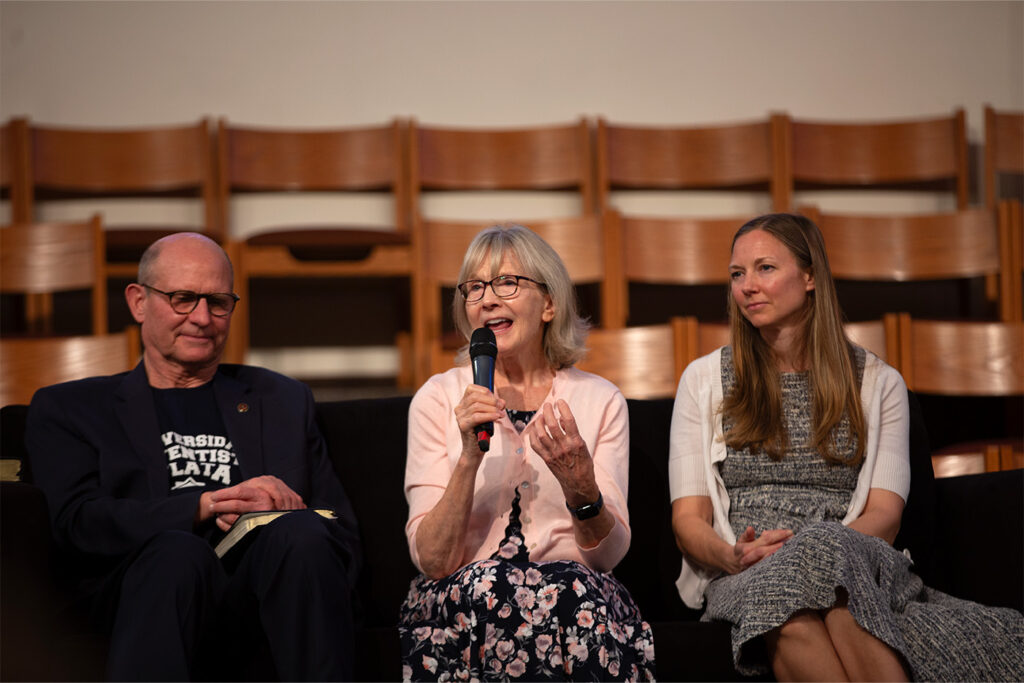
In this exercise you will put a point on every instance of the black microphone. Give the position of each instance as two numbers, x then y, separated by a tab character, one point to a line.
483	349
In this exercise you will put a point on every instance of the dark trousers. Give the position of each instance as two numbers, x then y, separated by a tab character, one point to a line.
290	590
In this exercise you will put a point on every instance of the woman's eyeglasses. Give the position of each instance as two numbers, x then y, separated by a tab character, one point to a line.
503	286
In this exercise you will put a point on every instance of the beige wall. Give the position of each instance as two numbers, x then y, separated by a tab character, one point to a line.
319	63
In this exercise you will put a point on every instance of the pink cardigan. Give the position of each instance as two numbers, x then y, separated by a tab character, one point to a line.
435	445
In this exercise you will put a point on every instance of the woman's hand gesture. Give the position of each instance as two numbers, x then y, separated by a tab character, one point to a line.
556	439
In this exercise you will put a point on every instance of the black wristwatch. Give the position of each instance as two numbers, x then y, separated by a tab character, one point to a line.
587	510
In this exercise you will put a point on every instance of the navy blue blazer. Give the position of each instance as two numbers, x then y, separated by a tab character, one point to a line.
95	451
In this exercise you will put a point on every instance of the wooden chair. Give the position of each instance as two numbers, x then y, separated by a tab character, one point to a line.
919	248
153	163
738	156
46	258
327	162
926	153
440	248
14	169
1004	154
965	358
542	158
31	363
685	251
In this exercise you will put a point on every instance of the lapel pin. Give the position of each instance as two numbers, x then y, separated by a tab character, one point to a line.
243	407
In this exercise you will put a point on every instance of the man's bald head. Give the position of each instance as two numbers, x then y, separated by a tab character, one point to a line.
149	263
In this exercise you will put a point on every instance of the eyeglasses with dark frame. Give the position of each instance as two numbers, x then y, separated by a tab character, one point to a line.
503	286
184	301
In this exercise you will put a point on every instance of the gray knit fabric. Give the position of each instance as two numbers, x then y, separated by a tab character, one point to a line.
940	637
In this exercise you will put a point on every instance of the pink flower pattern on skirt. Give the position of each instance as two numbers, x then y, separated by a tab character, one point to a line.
506	618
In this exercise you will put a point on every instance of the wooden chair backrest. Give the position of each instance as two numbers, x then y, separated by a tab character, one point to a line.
912	247
962	244
962	358
737	155
45	258
860	154
154	161
685	251
359	159
557	157
644	361
667	251
32	363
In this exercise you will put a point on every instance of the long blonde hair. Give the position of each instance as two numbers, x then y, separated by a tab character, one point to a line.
754	405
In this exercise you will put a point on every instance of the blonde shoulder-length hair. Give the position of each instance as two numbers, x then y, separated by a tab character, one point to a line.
754	406
565	336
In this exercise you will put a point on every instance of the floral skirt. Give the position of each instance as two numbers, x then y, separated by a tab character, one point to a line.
508	618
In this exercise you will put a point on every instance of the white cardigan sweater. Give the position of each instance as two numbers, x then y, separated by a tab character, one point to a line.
697	447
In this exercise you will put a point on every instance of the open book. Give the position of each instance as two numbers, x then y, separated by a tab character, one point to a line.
253	520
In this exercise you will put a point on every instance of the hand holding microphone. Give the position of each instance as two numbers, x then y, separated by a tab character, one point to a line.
483	350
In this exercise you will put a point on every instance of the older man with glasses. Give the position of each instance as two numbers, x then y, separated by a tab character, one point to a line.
145	471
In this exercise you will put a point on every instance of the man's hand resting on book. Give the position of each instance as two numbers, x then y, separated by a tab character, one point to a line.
259	493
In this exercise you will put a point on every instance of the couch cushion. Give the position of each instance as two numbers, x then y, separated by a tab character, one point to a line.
651	566
367	442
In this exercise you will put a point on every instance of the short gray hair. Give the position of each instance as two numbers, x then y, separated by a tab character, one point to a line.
565	336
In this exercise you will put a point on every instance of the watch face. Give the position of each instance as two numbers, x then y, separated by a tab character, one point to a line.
589	510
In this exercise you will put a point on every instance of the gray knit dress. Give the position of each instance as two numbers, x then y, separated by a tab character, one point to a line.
941	638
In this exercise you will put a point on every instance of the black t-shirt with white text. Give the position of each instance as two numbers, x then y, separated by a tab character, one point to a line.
194	440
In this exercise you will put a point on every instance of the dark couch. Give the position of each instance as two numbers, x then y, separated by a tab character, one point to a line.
965	535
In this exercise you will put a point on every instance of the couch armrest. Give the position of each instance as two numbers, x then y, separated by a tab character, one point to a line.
37	614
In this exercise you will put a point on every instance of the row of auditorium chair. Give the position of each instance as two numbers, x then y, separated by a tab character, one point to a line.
607	250
778	154
945	358
595	161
